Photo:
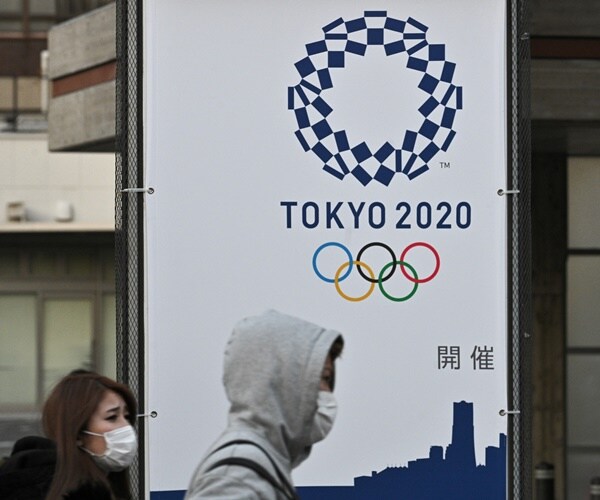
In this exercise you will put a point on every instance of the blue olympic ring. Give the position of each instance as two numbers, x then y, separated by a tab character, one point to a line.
332	244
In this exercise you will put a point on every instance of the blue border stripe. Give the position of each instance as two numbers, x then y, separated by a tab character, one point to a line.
167	495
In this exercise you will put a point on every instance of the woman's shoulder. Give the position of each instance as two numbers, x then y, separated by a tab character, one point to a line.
89	491
28	472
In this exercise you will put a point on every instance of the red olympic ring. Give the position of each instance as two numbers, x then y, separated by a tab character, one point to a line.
435	254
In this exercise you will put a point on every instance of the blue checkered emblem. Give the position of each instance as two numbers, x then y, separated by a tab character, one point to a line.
366	162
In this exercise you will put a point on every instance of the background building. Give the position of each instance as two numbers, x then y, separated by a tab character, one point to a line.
57	297
57	280
565	80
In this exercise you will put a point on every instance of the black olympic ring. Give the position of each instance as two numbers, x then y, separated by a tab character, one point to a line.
393	267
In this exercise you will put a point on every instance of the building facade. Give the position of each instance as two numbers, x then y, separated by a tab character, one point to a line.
57	291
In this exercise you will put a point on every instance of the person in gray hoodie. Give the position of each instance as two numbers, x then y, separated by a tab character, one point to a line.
279	375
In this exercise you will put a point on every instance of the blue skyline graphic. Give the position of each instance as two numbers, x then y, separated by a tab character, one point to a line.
455	476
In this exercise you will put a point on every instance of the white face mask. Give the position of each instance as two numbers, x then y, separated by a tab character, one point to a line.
325	416
121	447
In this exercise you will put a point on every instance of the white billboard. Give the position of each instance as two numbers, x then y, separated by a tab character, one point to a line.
339	162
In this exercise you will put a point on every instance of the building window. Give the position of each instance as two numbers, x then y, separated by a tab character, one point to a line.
583	318
18	357
57	314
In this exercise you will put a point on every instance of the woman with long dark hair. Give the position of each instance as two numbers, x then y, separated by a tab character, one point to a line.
90	418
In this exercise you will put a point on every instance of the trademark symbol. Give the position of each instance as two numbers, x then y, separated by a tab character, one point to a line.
444	164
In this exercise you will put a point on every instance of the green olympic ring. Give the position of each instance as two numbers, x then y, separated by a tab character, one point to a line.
415	277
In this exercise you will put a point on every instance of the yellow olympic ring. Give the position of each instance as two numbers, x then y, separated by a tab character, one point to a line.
337	279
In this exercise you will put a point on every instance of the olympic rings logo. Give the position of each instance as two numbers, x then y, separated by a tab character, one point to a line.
383	275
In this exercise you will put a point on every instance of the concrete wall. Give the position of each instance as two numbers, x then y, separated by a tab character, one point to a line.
82	42
39	179
81	66
82	119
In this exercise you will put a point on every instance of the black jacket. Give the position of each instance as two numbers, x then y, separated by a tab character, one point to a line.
89	492
27	473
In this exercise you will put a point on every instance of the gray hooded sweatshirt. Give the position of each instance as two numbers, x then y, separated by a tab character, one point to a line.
273	365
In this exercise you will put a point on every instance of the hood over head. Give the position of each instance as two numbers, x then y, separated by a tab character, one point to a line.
273	365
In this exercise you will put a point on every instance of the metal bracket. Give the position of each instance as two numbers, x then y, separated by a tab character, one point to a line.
152	414
502	413
502	192
148	190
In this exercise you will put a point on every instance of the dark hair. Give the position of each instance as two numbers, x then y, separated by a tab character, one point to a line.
335	351
336	348
65	415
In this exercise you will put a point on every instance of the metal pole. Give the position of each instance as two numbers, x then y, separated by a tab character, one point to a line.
595	488
544	481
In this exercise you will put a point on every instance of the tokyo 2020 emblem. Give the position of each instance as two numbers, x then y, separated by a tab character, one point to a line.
342	154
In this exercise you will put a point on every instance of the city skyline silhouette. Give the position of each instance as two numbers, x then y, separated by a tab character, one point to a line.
454	475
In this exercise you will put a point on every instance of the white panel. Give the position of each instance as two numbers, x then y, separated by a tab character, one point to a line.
584	202
38	7
583	293
222	244
581	468
11	6
583	399
107	344
18	351
39	179
67	338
